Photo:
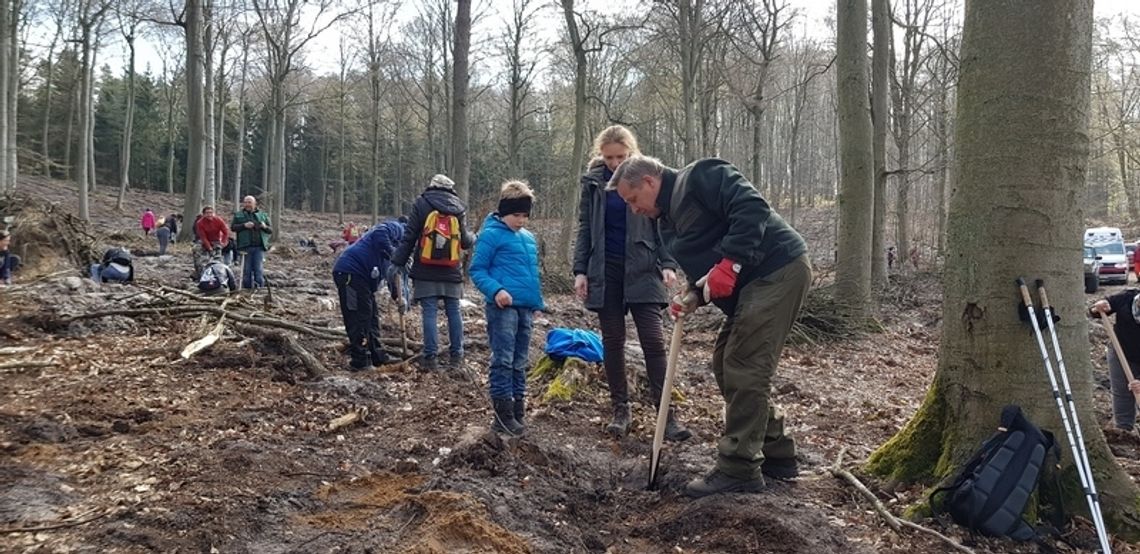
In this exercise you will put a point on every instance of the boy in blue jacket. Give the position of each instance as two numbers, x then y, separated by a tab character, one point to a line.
505	270
357	274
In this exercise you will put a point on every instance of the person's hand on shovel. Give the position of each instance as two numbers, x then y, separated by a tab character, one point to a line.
686	303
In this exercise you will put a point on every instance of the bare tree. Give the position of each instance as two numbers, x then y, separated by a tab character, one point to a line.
520	75
130	15
61	12
6	119
196	159
880	117
461	76
91	13
856	184
285	33
239	155
905	96
757	30
1021	157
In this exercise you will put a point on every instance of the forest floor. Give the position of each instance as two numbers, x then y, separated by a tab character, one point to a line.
114	443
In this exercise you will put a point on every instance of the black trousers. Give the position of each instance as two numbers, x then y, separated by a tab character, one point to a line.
647	319
361	321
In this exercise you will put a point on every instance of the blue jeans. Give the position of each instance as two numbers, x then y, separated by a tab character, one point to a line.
509	333
430	306
252	273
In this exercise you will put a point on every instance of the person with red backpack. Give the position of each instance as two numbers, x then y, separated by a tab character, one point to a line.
437	234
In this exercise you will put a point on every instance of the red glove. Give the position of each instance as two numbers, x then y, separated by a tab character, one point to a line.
722	279
687	303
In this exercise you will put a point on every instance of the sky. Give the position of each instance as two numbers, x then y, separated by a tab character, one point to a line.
323	55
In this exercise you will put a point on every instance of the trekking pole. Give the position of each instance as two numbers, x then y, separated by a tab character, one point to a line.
1083	461
1119	353
666	396
1090	497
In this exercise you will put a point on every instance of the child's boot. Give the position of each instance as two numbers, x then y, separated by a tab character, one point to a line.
504	420
520	412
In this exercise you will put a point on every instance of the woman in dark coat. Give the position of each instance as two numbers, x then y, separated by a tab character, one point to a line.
620	267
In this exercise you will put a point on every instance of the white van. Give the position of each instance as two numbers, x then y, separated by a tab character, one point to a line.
1109	244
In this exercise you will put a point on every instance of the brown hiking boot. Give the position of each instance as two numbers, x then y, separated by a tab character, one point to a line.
718	482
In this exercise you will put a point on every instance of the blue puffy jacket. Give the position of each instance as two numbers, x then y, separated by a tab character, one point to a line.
506	259
374	249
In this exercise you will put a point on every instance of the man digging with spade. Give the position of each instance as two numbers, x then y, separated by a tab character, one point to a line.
755	269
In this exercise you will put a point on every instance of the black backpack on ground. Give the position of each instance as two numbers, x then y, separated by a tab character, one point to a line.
990	492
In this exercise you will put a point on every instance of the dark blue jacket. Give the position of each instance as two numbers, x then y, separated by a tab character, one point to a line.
507	260
374	249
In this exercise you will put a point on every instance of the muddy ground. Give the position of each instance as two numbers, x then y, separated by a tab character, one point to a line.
116	444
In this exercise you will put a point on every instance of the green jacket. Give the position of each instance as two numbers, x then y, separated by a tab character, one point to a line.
258	236
709	211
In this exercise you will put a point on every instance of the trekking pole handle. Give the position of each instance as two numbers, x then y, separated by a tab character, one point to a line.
1041	291
1024	293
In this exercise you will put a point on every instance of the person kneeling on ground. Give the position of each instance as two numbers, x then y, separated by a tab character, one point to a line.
117	267
357	274
1126	306
505	269
217	277
756	270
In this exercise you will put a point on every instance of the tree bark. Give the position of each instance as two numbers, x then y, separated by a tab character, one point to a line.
1022	149
856	183
880	116
196	112
210	192
128	121
6	120
13	169
460	147
690	21
569	200
239	155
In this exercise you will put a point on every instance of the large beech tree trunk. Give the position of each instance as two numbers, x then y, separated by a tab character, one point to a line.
1022	153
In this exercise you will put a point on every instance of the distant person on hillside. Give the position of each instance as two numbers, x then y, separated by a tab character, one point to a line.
213	235
163	236
147	221
436	269
891	255
9	262
172	223
253	230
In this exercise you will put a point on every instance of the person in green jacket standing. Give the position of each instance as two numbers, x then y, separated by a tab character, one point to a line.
252	228
752	265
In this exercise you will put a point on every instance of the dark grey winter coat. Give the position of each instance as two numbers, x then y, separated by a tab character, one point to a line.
645	255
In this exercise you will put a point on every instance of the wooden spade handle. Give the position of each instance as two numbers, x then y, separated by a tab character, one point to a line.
1108	325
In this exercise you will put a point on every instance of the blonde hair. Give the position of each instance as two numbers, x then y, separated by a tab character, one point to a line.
516	189
616	134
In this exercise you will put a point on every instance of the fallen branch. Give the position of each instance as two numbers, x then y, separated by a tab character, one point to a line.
60	525
206	341
892	521
313	367
347	419
25	364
